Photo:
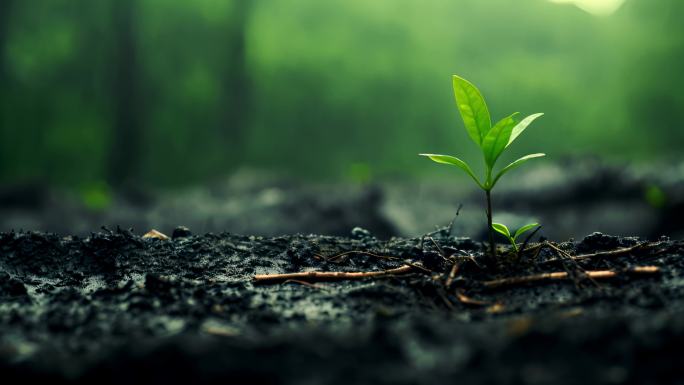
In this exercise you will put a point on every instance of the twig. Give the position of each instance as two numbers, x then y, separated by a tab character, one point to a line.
441	251
438	247
471	259
561	252
609	253
335	258
451	224
539	246
464	299
561	275
317	276
447	228
446	300
452	274
566	257
308	284
527	240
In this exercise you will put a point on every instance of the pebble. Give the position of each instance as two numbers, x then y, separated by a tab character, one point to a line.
360	233
181	232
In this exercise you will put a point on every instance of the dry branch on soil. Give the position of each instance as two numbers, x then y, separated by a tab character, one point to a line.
562	275
452	274
464	299
338	257
600	254
317	276
611	253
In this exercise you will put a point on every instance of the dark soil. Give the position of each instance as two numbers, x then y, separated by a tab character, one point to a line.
116	308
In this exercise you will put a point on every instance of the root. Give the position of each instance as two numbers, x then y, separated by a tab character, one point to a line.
464	299
612	253
562	275
337	258
452	274
601	254
527	240
307	284
318	276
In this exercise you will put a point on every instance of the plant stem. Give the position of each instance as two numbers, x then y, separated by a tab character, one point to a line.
492	249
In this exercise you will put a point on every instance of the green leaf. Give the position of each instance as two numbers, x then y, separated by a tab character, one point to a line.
451	160
520	127
473	109
515	164
501	229
523	229
497	139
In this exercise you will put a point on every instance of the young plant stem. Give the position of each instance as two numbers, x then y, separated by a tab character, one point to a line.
492	248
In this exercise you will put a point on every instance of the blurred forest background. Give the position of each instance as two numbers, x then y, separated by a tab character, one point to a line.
169	92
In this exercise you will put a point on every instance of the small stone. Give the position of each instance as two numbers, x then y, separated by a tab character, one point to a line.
11	286
433	260
598	241
360	233
154	234
219	328
181	232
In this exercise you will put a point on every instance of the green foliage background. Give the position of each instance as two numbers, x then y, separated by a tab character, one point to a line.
339	89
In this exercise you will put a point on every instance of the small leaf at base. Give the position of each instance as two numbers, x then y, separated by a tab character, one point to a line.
525	228
501	229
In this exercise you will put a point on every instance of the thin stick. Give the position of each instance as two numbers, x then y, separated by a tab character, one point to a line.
452	274
464	299
527	240
446	300
308	284
448	228
451	224
337	257
561	275
609	253
566	257
560	251
438	247
441	251
317	276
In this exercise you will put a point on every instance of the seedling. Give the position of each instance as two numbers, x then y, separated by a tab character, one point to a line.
503	230
492	140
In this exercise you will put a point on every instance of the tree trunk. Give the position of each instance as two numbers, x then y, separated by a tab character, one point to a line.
5	10
237	82
125	149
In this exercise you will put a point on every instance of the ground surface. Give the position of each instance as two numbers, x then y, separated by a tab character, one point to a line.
115	308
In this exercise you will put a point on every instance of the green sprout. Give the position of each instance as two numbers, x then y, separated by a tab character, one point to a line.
492	140
503	230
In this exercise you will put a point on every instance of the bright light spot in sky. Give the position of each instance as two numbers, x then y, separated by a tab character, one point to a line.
595	7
